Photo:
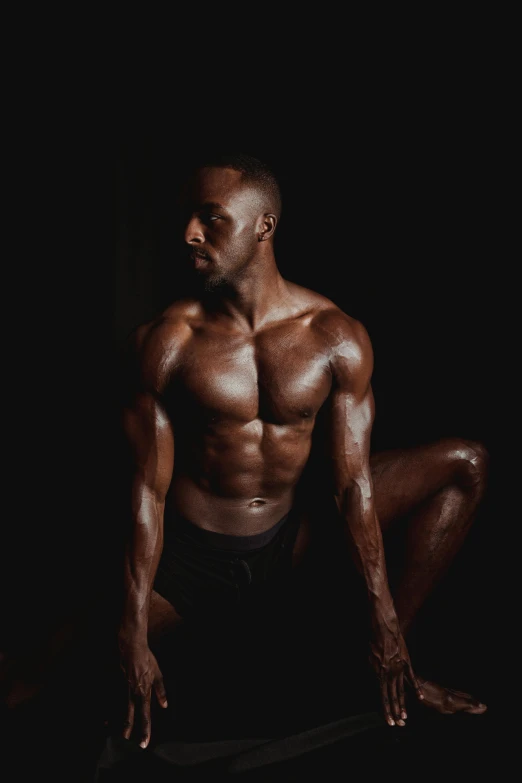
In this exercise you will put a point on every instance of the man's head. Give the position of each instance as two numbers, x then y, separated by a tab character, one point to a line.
232	205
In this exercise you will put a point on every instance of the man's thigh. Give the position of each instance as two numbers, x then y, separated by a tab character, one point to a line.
405	478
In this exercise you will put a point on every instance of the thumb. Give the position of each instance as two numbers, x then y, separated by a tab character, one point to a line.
415	682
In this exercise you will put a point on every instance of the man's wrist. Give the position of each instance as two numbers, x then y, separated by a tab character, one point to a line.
382	613
132	633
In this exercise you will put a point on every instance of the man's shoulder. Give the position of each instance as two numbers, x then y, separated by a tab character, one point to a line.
166	330
337	327
155	347
343	338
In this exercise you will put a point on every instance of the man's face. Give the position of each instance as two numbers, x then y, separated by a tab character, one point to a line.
223	218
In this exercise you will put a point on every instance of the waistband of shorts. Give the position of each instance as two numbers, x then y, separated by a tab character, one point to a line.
214	540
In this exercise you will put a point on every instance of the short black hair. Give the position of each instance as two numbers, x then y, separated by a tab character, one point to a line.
253	170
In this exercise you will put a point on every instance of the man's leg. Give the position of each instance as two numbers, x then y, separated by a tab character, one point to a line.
163	618
438	488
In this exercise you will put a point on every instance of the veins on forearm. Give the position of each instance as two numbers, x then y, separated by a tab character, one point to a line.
365	539
141	560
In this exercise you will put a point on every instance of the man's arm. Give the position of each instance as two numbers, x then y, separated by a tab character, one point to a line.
352	415
150	437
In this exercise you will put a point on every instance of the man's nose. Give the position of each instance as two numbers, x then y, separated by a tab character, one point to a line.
193	232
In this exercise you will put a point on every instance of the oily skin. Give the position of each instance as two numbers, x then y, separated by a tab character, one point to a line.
223	395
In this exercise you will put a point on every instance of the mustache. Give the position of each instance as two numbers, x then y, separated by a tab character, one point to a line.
199	253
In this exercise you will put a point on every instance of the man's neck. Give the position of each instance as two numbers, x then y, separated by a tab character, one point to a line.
258	297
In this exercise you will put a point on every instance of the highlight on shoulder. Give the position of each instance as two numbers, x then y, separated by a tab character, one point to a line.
348	338
154	347
169	324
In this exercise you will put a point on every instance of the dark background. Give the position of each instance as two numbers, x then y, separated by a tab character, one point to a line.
396	211
401	233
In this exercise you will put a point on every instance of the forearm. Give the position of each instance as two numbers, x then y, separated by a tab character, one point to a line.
140	565
364	536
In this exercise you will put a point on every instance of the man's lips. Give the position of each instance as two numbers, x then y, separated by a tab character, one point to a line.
199	259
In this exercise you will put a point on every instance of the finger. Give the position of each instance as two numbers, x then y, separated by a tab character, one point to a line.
145	721
415	682
386	701
161	693
394	701
402	699
129	721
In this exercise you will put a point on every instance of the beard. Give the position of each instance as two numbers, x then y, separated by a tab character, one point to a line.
214	283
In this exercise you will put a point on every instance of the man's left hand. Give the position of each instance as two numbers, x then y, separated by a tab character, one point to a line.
391	662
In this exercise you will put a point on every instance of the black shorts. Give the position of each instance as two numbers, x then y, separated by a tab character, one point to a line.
201	571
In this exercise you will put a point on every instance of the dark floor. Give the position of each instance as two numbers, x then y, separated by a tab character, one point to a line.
280	673
62	736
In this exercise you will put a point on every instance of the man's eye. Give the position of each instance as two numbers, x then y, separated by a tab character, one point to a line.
208	217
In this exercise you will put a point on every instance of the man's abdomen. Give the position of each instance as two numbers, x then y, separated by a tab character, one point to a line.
240	481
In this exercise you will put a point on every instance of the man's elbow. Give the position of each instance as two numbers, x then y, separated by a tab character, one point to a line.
147	501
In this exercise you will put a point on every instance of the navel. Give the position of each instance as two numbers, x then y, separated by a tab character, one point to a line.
256	502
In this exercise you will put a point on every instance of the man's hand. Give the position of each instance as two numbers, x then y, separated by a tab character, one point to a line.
143	674
391	662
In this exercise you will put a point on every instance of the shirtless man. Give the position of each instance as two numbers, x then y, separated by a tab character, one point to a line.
225	394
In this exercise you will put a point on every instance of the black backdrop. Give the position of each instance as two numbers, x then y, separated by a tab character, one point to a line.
398	221
401	233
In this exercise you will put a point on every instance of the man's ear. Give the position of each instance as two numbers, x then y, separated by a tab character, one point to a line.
267	227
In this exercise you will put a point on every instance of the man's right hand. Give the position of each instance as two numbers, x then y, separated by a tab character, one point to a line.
143	674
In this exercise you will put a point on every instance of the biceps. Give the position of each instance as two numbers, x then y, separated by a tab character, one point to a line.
151	442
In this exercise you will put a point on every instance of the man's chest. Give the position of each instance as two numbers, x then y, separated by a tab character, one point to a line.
282	376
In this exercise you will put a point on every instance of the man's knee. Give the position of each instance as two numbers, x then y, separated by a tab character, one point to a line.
471	460
163	618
